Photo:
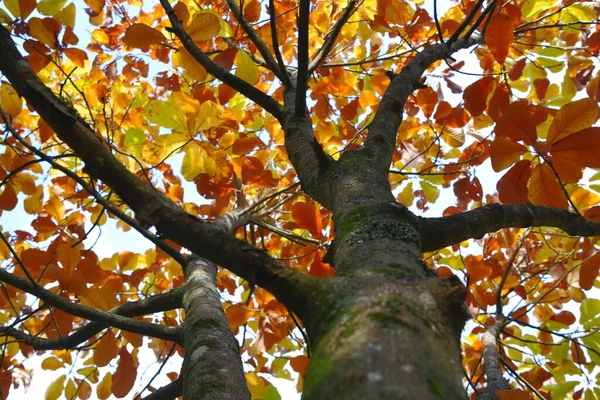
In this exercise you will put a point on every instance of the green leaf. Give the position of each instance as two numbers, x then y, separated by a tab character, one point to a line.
56	388
590	313
560	391
134	136
50	7
163	114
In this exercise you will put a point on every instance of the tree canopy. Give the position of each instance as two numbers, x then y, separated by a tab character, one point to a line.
369	198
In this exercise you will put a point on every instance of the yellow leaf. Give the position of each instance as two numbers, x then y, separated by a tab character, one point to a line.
204	26
70	389
33	204
13	7
201	159
103	390
55	389
190	66
246	68
10	101
432	192
50	7
55	208
52	364
209	115
256	385
66	16
164	114
140	36
571	118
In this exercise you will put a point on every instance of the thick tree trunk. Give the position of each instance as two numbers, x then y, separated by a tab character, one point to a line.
386	328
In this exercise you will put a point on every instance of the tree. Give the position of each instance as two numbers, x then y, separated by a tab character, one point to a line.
318	135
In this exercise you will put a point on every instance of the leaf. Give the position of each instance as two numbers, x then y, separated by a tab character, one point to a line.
199	158
134	136
246	68
308	217
56	388
164	114
124	377
50	7
588	272
78	56
516	123
238	315
571	118
10	101
499	36
512	187
504	153
252	10
575	152
8	198
52	364
103	390
544	189
106	349
300	364
141	36
476	94
204	26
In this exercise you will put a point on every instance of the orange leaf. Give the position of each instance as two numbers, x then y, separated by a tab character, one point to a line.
78	56
141	36
588	272
300	364
564	317
593	214
238	315
124	377
427	99
504	153
106	349
577	353
499	102
308	217
246	144
252	10
571	118
476	94
516	123
8	198
582	147
544	189
319	268
512	187
499	36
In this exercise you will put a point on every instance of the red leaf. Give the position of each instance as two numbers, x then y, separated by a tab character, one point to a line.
300	364
476	94
8	198
124	377
499	36
512	187
588	272
516	123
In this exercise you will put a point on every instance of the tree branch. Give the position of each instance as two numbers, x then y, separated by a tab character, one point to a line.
302	77
270	62
491	364
152	207
285	77
437	233
381	140
150	305
331	35
102	317
251	92
168	392
464	24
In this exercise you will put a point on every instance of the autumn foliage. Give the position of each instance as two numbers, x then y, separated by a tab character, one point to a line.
511	121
